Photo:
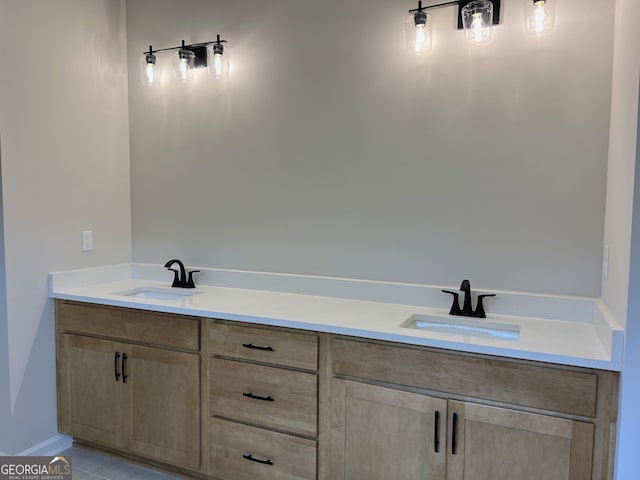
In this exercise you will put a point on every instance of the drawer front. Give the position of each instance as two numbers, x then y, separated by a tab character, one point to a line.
240	452
268	346
128	324
268	396
546	388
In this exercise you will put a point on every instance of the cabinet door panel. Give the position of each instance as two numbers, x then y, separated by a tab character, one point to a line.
89	393
162	398
503	444
380	433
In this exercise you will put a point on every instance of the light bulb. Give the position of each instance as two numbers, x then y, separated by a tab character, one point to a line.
150	73
477	27
184	69
217	64
421	38
540	15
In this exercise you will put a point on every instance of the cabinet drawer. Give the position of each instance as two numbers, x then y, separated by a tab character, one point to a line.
128	324
240	452
547	388
269	346
268	396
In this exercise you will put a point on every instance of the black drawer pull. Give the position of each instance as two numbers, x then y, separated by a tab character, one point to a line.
257	347
115	366
436	432
258	397
257	460
124	368
454	432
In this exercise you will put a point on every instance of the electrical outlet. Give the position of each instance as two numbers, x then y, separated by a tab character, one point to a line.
605	262
87	240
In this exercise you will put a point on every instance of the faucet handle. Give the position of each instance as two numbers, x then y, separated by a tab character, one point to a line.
479	312
190	282
455	306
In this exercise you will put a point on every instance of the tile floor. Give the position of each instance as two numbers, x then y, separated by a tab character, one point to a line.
91	465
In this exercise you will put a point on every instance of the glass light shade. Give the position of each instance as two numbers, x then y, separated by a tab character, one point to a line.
477	20
419	29
184	65
539	16
149	69
218	60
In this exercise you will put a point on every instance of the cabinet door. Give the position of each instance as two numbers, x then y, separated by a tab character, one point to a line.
162	401
501	444
381	433
88	390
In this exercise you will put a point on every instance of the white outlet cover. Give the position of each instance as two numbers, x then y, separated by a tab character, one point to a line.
87	240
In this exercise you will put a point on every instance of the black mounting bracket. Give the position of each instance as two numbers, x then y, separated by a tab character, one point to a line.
200	52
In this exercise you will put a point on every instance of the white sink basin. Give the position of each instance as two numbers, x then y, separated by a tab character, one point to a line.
159	293
476	327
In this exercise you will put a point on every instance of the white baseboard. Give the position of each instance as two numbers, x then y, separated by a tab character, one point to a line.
52	446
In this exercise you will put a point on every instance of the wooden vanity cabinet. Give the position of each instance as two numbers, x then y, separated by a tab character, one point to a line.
285	404
498	419
140	398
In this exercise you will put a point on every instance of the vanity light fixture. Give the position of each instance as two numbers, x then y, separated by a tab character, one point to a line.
539	16
476	17
186	58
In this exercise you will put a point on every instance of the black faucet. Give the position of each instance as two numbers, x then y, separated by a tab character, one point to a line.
180	279
467	310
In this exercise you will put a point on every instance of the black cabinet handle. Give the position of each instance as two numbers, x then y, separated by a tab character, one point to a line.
115	366
124	368
258	397
436	432
454	431
257	460
257	347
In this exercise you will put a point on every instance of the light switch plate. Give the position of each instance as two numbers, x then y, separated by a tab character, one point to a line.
87	240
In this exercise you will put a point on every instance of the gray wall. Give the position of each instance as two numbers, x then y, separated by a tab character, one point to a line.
332	152
65	168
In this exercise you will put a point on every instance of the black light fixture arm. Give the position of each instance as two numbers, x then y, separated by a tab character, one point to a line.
217	41
421	8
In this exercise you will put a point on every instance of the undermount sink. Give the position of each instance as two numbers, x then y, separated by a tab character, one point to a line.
158	293
464	326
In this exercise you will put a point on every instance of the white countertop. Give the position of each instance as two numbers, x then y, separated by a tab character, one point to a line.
595	340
